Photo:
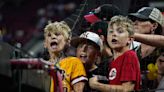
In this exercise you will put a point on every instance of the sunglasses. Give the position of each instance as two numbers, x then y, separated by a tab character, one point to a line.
142	20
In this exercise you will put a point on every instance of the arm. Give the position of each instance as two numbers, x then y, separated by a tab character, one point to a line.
153	40
125	87
78	87
78	75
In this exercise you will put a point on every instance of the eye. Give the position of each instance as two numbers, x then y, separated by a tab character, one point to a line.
57	33
49	34
110	31
120	30
80	45
90	47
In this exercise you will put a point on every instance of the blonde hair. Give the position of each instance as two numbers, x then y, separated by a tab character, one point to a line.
61	27
123	22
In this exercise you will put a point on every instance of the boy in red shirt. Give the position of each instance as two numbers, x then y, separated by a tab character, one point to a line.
124	70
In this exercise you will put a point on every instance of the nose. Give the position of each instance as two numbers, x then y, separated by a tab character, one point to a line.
114	33
136	22
53	36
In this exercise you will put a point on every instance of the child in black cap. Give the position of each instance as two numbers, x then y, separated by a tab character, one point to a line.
100	28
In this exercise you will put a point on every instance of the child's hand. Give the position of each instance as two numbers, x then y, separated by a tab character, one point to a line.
93	82
47	64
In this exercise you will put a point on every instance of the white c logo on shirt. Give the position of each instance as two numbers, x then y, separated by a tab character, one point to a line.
112	73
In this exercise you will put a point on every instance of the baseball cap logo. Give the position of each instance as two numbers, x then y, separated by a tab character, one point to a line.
85	35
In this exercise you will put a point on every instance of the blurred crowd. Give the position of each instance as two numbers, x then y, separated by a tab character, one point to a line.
22	19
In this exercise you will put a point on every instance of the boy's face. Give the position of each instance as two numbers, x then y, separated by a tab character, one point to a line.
87	52
118	36
54	41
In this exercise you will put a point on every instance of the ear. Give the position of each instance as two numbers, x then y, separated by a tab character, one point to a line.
102	38
98	54
155	25
131	38
68	42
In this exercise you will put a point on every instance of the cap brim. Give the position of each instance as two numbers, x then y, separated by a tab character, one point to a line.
76	41
91	18
137	15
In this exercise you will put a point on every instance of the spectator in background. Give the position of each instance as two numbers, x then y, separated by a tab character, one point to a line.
147	20
102	13
160	65
156	18
100	28
160	72
124	70
57	36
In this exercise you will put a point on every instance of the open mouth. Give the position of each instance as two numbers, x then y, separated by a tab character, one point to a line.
53	44
83	58
161	60
114	41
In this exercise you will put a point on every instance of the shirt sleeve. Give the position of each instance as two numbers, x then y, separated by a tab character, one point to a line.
78	71
130	67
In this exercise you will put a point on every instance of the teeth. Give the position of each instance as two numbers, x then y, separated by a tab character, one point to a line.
83	56
53	45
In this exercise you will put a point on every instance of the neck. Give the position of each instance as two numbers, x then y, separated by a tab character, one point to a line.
118	52
56	57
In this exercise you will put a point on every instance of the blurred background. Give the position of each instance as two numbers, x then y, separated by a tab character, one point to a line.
21	28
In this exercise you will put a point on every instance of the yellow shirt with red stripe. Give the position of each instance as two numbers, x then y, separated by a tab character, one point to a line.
74	72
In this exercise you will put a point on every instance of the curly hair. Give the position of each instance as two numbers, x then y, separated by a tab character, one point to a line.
61	27
123	22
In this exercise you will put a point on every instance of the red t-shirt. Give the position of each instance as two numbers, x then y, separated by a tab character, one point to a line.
125	68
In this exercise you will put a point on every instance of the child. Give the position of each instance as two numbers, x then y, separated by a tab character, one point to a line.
57	37
124	70
88	50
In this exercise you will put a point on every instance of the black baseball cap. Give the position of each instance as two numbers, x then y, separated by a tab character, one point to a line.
99	28
151	13
103	12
